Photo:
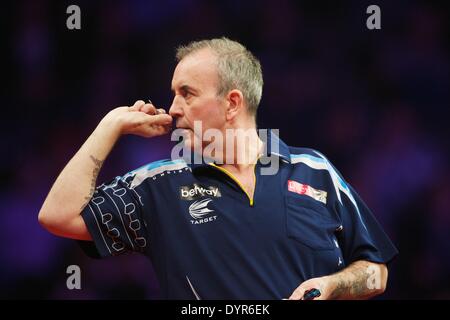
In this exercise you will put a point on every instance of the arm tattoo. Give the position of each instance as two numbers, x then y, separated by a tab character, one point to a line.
352	283
98	164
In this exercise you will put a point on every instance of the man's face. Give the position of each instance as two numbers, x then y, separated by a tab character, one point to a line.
195	85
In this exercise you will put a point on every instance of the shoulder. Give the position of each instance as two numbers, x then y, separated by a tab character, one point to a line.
308	156
155	169
164	164
317	161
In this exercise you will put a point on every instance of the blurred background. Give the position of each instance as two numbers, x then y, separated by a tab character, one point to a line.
375	102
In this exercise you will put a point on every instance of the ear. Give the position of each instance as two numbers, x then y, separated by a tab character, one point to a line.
235	100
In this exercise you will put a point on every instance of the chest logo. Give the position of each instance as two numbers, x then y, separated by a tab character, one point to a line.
200	212
196	191
300	188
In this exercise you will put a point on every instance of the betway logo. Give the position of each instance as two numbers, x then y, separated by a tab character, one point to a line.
196	191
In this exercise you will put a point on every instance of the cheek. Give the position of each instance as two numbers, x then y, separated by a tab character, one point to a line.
210	113
192	113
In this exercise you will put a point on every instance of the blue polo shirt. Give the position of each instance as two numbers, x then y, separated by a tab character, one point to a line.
208	240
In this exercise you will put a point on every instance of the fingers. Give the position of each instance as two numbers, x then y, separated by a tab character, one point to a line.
147	108
137	105
152	129
297	294
158	119
160	124
142	119
151	110
160	130
145	120
162	119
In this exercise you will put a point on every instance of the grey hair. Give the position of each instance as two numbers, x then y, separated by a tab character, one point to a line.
237	67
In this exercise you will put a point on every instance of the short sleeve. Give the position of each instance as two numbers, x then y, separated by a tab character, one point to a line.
116	219
362	237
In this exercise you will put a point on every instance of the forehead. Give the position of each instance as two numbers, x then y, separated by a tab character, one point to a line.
198	69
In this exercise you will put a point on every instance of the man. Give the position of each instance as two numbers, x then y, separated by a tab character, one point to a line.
220	229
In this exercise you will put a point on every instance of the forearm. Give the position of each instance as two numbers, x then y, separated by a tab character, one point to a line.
75	184
74	187
360	280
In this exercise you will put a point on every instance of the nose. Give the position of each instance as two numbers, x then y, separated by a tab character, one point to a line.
176	109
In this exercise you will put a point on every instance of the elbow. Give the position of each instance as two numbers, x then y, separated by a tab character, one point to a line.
45	218
50	220
62	221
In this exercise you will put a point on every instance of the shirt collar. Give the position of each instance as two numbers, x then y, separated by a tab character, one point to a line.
275	147
276	143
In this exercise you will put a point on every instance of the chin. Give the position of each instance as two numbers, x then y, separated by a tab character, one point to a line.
188	140
188	144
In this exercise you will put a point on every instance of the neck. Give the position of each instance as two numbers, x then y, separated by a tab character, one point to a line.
242	147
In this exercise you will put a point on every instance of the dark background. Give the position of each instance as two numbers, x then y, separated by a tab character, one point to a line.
375	102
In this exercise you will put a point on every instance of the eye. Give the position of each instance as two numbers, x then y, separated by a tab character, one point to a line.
186	94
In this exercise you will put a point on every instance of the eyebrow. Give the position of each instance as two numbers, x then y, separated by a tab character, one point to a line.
184	87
